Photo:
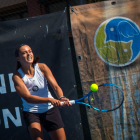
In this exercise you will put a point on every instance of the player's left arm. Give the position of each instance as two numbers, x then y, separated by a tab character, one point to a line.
50	78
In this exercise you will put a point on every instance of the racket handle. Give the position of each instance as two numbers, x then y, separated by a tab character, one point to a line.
71	101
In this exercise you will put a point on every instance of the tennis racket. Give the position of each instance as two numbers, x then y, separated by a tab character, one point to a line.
108	97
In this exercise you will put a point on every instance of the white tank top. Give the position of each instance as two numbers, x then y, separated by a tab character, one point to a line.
37	85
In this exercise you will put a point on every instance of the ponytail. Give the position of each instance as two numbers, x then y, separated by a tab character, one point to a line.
18	65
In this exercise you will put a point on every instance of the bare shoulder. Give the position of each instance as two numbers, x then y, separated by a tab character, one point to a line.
43	67
16	76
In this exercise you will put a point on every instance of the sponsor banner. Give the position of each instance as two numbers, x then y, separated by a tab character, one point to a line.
47	35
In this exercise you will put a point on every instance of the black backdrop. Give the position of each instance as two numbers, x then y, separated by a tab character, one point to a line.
48	37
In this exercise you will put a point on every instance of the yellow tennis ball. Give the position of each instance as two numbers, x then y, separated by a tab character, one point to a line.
94	87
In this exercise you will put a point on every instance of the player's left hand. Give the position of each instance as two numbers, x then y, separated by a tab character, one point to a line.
65	102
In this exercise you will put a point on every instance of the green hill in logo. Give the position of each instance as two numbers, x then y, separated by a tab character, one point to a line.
117	53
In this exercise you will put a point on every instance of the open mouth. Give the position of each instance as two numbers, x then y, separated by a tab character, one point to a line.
29	58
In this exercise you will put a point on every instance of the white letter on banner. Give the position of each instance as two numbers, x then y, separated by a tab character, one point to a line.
2	88
11	82
6	114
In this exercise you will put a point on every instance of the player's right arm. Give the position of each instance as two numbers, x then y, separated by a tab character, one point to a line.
23	92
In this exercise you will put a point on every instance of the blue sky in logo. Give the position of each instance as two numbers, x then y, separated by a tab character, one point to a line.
124	30
117	41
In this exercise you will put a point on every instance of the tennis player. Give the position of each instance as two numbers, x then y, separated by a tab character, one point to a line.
40	109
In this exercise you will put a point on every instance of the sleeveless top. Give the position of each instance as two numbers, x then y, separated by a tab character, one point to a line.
37	85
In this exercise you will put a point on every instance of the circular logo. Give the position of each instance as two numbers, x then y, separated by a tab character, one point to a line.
35	88
117	41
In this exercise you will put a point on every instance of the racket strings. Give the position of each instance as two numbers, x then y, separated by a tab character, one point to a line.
106	98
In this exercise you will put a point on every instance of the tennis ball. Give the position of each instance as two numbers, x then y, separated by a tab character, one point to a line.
94	87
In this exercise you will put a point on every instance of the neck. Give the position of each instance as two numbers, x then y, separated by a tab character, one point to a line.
28	69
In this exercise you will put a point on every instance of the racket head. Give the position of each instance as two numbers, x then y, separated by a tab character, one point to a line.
109	97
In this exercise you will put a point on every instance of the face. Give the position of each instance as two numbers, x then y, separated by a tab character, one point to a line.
25	55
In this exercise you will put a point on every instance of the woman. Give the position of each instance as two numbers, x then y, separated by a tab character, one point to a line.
40	109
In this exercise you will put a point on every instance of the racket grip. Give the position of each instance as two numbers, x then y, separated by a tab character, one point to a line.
71	101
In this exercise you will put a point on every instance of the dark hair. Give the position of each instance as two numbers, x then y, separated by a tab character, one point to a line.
17	55
17	50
